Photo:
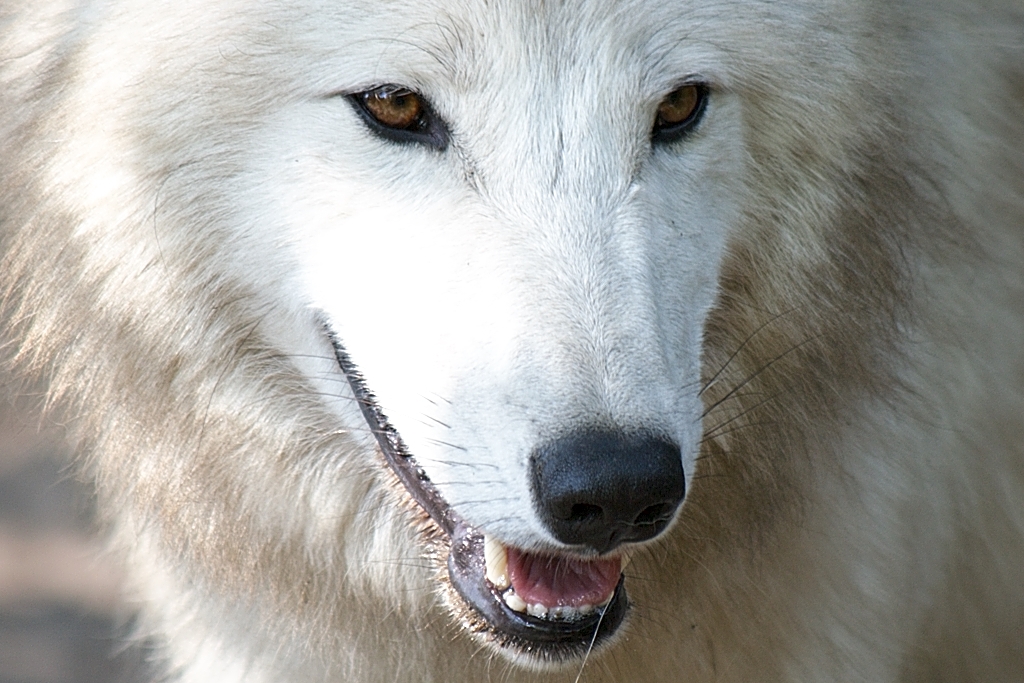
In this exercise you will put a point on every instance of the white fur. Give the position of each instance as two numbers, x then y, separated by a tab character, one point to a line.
197	179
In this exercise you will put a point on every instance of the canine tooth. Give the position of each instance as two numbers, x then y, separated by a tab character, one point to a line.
537	610
496	563
606	600
514	601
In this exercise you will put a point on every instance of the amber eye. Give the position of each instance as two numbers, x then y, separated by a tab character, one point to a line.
394	108
679	112
398	114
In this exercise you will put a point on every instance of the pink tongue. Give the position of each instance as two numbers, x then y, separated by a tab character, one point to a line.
561	581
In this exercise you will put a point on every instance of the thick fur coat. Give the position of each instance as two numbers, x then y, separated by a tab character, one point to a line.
817	293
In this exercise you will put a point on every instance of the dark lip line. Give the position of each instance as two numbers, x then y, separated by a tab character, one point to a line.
465	557
395	451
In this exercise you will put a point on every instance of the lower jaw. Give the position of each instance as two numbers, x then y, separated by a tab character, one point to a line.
482	607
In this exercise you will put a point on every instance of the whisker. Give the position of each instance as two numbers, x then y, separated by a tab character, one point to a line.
727	399
714	378
760	370
590	647
439	442
745	425
434	419
713	430
474	465
487	501
316	356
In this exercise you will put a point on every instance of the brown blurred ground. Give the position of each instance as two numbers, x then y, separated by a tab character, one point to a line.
61	620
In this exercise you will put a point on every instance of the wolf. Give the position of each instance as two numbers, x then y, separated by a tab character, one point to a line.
533	340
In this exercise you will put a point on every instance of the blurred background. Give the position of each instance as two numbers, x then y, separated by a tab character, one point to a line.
61	617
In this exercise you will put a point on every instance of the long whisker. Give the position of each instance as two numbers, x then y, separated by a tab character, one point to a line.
590	647
714	378
714	431
760	370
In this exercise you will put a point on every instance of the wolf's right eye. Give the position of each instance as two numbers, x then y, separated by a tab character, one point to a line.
394	108
679	112
400	115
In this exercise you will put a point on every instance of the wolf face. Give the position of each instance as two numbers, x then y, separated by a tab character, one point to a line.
531	304
523	287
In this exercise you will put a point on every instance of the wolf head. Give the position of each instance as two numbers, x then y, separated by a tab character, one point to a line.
521	277
568	303
542	275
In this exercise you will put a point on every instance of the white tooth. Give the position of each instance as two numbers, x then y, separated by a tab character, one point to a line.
514	601
496	563
537	610
586	609
606	600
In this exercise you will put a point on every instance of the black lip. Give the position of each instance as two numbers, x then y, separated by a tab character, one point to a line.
546	639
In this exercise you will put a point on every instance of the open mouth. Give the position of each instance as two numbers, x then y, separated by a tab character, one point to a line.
549	607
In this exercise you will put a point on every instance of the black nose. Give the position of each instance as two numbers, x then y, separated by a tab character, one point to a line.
603	488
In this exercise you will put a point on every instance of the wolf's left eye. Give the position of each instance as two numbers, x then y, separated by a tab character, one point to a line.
679	112
400	115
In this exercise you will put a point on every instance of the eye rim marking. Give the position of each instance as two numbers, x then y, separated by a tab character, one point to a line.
421	126
667	131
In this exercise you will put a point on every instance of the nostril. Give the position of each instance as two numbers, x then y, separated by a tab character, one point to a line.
582	512
654	514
